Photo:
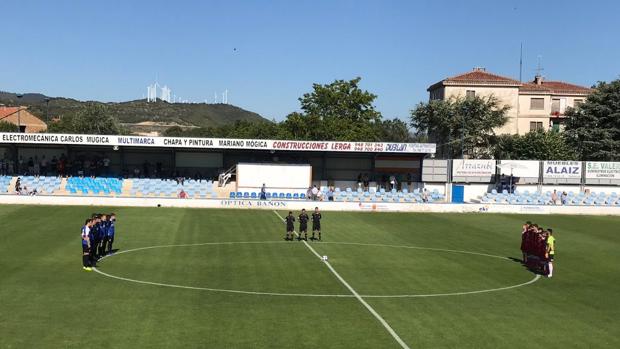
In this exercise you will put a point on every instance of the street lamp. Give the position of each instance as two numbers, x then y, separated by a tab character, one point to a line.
19	108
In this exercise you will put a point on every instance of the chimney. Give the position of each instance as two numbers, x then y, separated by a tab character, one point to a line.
480	69
538	79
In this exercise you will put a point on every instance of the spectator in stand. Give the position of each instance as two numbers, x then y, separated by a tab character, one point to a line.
18	185
106	166
37	166
360	181
30	165
393	182
20	165
424	195
409	180
263	192
554	197
43	165
319	196
54	164
182	194
62	165
330	194
564	198
309	193
315	193
366	181
145	168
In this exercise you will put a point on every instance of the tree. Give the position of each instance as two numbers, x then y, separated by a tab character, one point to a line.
394	130
8	127
90	119
535	145
461	125
593	128
337	111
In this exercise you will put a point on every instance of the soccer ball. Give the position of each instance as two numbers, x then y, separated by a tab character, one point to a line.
324	258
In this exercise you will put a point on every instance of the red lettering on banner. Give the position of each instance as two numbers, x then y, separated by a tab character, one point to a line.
341	146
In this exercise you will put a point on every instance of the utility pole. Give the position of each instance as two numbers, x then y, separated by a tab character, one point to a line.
19	108
47	110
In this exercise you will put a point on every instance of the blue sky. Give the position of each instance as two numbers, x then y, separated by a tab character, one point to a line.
268	53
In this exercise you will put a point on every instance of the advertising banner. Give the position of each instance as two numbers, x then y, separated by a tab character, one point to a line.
473	168
216	143
602	170
562	169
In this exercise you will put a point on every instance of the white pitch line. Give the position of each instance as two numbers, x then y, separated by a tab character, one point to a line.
357	296
536	278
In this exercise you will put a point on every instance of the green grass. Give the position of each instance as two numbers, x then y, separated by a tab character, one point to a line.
47	301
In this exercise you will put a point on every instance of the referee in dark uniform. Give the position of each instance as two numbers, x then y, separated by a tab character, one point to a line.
316	223
290	225
303	224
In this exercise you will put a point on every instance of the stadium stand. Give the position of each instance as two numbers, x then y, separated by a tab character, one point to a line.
42	184
382	195
536	198
94	185
5	182
171	188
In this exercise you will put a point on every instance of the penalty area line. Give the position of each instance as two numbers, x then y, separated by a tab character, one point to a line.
355	294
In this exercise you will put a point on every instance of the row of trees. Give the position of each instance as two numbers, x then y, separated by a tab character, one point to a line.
460	126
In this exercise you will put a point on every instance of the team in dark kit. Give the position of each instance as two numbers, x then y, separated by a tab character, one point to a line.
538	248
97	238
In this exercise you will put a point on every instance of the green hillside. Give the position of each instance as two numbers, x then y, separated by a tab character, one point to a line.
185	114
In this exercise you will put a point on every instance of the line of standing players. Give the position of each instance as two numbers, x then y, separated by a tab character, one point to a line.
303	225
97	238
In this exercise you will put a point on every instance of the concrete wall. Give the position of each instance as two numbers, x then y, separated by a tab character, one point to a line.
298	205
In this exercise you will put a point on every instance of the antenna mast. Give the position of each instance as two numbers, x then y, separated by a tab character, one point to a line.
521	64
539	67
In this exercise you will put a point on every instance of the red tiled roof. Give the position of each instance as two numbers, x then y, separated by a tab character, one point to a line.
480	76
4	111
556	87
476	77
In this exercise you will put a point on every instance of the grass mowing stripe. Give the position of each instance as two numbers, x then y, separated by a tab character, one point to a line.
357	296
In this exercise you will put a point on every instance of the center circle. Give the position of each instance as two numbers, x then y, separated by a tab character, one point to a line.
229	262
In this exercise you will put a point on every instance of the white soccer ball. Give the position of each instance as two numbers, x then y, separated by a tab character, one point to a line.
325	258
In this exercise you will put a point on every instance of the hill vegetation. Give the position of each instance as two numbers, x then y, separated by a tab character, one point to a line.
138	111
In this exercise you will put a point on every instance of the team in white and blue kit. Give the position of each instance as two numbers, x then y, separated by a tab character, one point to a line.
97	238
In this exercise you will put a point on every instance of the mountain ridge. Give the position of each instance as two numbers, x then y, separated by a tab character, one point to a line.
138	111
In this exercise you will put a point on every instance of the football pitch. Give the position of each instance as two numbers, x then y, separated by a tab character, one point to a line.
197	278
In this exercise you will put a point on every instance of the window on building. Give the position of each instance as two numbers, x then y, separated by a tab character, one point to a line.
537	104
436	94
470	93
555	105
536	125
577	102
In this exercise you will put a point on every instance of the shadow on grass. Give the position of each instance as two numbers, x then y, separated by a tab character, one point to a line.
535	267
